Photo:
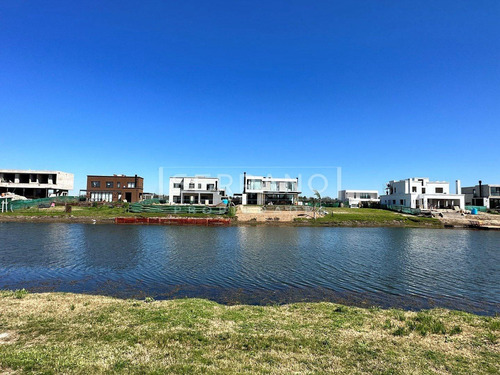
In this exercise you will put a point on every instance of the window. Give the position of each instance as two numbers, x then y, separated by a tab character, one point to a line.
210	187
394	190
199	186
365	196
177	199
177	185
423	190
413	189
191	185
96	184
401	202
131	185
439	190
393	201
254	185
109	184
118	185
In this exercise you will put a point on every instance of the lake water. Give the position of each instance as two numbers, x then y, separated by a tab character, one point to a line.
388	267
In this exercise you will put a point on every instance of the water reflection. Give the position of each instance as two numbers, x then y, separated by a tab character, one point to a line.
111	247
385	266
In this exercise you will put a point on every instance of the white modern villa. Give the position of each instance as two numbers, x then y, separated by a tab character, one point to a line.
195	190
262	190
422	193
35	184
356	198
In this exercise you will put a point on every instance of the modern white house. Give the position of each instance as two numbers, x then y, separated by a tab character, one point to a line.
262	190
486	195
35	184
422	193
357	198
195	190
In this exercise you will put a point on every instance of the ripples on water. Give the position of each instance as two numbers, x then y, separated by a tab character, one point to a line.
410	268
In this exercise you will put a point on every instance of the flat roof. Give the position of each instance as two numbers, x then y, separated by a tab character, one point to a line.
29	171
273	178
195	177
359	191
113	176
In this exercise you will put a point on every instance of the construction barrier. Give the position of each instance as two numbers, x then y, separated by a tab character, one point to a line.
177	209
479	208
402	209
204	221
42	202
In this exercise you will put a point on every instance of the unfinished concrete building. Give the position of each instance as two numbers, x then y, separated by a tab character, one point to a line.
35	184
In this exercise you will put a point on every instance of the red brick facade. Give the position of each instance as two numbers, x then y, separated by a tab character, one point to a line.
114	188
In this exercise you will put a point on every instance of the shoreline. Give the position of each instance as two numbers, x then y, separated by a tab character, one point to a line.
237	223
233	222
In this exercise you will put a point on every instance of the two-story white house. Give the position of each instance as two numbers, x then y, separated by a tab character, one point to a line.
422	193
195	190
262	190
357	198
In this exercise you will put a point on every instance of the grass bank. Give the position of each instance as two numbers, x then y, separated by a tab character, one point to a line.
97	213
70	333
374	217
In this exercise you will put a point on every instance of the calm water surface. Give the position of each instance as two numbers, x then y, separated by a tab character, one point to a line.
399	267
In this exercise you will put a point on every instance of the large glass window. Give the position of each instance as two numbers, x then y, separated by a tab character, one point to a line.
96	184
254	184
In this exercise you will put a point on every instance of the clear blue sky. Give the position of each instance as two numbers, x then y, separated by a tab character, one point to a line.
384	89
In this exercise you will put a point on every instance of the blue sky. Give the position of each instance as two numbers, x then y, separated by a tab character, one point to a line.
384	89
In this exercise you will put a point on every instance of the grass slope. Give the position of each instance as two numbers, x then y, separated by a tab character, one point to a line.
375	217
68	333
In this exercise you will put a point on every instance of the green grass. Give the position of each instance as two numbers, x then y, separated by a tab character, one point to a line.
374	217
82	334
99	212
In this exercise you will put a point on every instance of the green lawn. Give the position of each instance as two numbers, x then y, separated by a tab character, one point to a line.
100	212
81	334
377	217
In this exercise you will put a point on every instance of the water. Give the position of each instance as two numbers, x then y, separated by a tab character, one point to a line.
388	267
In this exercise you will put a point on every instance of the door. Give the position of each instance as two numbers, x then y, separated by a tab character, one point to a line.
128	197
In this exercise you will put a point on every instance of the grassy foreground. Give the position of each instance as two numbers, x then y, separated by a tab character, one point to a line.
374	217
70	333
